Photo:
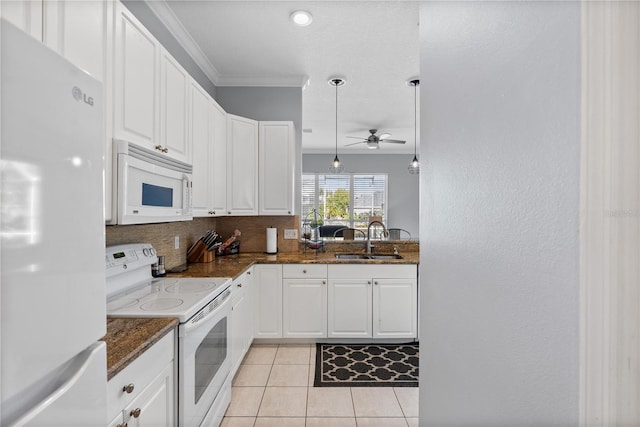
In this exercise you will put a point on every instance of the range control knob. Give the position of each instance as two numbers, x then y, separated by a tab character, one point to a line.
145	252
152	251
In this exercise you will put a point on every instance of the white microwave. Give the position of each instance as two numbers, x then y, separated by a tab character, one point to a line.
150	187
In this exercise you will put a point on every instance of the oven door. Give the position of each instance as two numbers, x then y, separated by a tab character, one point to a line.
151	188
204	362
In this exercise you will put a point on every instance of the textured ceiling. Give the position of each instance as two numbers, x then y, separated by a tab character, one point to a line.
373	44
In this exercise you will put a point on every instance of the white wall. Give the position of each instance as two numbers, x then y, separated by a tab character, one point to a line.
500	96
403	188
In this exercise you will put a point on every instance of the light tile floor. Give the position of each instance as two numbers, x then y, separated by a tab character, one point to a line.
274	388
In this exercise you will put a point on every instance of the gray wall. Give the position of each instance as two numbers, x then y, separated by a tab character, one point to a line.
403	188
156	27
500	96
268	103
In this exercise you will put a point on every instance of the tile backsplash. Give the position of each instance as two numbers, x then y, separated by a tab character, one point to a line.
162	236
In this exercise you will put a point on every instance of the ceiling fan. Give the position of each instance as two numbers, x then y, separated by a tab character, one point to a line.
373	140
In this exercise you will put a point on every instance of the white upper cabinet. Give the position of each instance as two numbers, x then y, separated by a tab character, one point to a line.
136	81
218	162
24	14
200	134
277	151
174	108
208	136
242	162
81	31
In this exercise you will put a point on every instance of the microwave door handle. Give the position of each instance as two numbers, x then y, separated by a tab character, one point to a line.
187	187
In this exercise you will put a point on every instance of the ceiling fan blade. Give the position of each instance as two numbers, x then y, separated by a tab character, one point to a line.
356	137
354	143
384	135
393	141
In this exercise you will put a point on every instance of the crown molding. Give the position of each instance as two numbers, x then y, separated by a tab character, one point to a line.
264	81
164	13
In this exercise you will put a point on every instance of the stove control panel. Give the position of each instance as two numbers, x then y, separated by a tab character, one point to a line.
128	257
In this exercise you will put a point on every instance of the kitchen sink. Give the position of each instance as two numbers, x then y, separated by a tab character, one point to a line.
369	256
383	257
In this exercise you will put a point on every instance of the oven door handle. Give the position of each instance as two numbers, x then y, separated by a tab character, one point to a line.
210	310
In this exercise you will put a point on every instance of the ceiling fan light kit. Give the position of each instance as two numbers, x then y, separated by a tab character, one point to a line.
414	166
373	141
336	166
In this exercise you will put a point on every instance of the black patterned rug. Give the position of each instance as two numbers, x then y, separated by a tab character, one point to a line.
367	365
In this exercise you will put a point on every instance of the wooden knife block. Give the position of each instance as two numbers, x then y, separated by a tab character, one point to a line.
201	254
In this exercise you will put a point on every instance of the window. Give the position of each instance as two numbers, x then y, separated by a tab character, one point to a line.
350	200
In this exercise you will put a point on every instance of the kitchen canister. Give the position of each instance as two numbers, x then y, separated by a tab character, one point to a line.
272	240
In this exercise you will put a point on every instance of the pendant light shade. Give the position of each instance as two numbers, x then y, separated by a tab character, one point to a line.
336	166
414	166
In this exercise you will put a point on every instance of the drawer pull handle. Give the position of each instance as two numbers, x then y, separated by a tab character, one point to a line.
128	388
324	282
375	283
368	282
135	413
122	425
248	273
239	285
304	271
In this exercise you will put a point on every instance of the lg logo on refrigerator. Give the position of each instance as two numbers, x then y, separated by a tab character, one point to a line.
78	95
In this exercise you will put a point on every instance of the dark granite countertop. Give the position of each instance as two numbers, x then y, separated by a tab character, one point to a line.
128	338
234	265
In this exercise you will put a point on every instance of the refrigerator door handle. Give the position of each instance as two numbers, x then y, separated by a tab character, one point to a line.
28	406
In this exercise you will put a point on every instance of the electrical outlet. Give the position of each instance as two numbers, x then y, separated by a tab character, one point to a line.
291	233
176	242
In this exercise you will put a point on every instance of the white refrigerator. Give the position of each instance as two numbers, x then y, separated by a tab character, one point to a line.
52	286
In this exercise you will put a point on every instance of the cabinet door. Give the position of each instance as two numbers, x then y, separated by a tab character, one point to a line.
218	168
267	288
200	135
136	81
24	14
80	31
242	161
174	107
276	141
304	313
154	407
349	308
394	308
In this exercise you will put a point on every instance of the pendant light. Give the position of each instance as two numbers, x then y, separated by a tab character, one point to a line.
414	166
336	166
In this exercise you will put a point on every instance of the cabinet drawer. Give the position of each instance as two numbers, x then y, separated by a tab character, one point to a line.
304	271
356	271
139	374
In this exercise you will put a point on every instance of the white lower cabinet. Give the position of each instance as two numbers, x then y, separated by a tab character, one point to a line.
268	301
372	301
241	319
350	306
395	306
376	301
304	295
143	394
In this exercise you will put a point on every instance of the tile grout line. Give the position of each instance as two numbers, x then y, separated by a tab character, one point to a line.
255	421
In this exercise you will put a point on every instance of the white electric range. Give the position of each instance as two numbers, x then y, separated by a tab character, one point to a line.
203	306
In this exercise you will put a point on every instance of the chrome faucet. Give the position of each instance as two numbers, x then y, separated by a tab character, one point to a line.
385	233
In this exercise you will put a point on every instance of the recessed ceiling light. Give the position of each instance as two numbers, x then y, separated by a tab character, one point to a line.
301	18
